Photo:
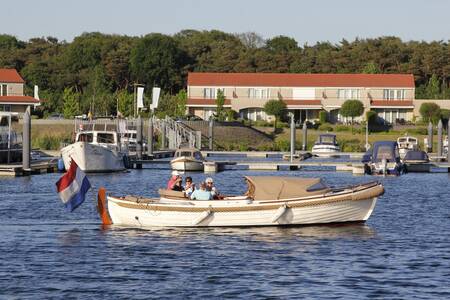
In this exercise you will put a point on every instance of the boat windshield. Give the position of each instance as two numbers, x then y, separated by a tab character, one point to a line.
105	138
85	137
402	140
385	152
327	139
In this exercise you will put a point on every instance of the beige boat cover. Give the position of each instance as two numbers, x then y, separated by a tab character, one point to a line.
275	188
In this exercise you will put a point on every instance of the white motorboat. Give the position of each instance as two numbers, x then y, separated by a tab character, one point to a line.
384	160
187	159
326	145
269	201
95	151
407	143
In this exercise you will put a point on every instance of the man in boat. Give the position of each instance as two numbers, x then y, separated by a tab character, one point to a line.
174	183
189	186
201	193
212	188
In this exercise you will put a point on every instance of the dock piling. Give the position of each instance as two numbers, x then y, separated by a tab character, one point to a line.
292	137
26	141
448	141
150	137
430	137
139	138
211	133
439	137
305	137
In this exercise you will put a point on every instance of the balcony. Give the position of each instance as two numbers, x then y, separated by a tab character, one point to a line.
391	103
199	102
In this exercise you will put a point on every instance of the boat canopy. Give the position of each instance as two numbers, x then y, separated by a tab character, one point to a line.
275	188
416	155
387	150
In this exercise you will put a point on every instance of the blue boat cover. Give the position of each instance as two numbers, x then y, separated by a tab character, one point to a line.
387	150
416	155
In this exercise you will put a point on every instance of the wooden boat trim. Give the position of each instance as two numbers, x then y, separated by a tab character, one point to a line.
354	195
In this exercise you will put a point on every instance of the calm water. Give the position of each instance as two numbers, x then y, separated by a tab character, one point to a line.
403	251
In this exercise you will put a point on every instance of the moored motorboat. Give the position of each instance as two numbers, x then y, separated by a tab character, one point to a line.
268	201
95	151
416	161
326	145
385	159
187	159
407	143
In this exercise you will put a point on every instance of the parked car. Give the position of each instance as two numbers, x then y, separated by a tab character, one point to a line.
81	117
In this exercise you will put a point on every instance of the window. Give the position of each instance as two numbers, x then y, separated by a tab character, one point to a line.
85	137
345	94
258	93
5	107
107	138
393	94
3	90
209	93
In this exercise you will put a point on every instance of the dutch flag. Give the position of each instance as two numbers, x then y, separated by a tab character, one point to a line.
73	186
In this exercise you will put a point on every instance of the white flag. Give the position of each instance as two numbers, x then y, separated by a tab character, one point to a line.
140	97
155	97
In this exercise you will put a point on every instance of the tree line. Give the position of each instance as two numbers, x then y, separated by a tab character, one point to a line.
97	72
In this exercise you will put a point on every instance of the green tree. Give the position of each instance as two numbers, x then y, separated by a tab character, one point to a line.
352	108
371	68
181	101
430	112
220	102
71	103
275	108
432	90
125	102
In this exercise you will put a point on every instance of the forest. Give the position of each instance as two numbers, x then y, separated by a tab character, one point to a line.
97	72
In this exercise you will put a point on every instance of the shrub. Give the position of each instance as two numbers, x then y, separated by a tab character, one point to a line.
323	116
326	127
371	117
341	128
430	112
352	145
282	145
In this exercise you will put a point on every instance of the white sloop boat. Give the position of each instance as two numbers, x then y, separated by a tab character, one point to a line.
407	143
95	151
326	145
187	159
269	201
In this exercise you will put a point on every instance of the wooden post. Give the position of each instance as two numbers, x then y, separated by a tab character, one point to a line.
430	137
292	137
198	140
439	137
448	141
139	138
163	135
150	137
211	133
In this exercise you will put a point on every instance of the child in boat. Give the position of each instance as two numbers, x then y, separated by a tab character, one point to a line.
201	193
174	183
189	186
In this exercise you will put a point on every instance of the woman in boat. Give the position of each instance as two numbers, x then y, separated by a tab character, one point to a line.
189	186
201	193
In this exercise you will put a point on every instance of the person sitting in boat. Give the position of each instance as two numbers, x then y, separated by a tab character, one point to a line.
189	187
201	193
174	183
212	188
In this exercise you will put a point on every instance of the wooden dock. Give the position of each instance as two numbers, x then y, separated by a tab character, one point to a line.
41	166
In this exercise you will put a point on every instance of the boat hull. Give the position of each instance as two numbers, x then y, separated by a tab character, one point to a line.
93	158
325	150
354	207
186	164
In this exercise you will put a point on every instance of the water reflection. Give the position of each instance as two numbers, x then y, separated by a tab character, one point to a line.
264	233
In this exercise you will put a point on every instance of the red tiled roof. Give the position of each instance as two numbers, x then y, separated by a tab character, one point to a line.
301	80
391	103
18	99
303	102
201	101
10	76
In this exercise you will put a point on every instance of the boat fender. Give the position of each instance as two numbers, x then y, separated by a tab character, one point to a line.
101	207
280	212
202	217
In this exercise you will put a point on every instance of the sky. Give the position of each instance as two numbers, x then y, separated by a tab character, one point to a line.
305	21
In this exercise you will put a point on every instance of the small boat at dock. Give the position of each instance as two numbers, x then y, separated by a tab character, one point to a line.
407	143
326	146
269	201
385	159
416	161
187	159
